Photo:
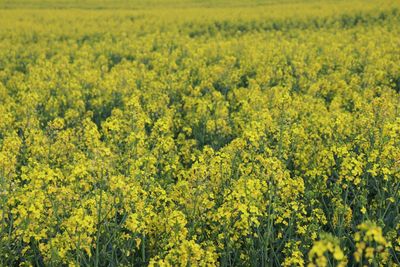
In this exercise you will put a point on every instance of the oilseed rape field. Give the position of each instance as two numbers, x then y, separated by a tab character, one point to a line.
200	133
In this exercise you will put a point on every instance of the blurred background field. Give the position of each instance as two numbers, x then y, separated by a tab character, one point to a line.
137	4
153	4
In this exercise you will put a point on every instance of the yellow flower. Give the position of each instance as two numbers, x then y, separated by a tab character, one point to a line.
363	210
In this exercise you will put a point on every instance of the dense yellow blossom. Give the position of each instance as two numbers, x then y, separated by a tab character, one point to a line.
199	133
371	245
326	251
